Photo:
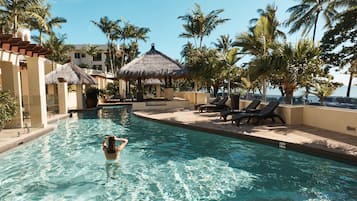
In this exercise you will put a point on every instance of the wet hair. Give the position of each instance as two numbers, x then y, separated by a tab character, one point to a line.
111	144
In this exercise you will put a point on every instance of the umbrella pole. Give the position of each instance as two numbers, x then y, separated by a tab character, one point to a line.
140	96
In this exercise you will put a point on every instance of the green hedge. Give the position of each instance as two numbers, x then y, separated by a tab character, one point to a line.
7	107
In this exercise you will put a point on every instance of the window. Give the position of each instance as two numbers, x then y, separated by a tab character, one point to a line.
77	55
97	57
97	67
83	55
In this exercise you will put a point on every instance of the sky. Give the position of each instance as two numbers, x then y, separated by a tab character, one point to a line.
161	16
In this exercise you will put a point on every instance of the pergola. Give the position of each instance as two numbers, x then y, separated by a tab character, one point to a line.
22	67
153	64
25	48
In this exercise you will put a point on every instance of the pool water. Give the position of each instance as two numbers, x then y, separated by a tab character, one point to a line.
163	162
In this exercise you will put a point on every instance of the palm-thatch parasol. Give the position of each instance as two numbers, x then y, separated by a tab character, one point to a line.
71	73
153	64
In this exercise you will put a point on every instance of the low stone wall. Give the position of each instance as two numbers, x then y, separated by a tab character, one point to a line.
193	97
335	119
339	120
161	105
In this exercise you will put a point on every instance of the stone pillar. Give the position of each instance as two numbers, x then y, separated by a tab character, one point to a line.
158	90
62	88
79	92
169	93
25	90
122	88
37	91
11	82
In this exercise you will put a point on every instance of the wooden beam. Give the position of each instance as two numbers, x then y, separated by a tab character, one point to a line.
5	46
29	53
16	45
15	48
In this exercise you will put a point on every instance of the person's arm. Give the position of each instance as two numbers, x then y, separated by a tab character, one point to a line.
123	141
104	144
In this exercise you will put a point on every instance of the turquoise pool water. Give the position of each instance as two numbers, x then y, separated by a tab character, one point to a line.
162	162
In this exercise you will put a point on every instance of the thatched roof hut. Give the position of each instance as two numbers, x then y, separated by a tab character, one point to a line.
153	64
71	73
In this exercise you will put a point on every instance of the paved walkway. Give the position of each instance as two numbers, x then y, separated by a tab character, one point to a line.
310	140
10	138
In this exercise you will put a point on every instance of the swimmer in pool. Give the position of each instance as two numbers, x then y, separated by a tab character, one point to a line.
110	150
111	154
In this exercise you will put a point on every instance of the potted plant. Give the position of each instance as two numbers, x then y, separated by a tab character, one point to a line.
7	107
92	97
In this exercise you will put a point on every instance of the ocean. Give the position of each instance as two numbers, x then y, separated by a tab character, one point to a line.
341	91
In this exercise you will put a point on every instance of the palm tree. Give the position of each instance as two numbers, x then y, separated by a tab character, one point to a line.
323	88
17	11
92	51
198	25
42	20
4	23
108	27
140	34
124	33
129	31
259	43
296	66
224	43
59	50
230	59
306	15
337	48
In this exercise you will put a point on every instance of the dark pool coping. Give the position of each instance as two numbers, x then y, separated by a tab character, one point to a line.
303	148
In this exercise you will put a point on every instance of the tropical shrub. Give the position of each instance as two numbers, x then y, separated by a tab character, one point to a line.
323	88
7	107
113	88
92	94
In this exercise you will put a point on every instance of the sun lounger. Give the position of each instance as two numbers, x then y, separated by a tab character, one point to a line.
266	112
219	106
250	108
215	101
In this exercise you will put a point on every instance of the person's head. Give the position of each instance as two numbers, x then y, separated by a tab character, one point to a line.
111	144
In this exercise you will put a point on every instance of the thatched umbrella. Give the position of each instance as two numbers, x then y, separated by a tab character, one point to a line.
71	73
153	64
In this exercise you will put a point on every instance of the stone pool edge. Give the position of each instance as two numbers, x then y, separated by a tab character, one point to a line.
311	149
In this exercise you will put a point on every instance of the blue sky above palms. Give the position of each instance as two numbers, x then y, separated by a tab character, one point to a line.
161	17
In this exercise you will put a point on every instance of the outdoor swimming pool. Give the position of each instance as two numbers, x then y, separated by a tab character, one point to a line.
163	162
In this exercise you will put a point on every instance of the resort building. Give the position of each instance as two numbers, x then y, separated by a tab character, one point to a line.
95	65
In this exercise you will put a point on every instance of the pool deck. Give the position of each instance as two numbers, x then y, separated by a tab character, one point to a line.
11	138
323	143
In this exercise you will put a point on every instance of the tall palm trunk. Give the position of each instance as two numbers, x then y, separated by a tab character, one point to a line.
110	55
123	55
264	89
315	26
14	26
201	41
40	32
349	84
